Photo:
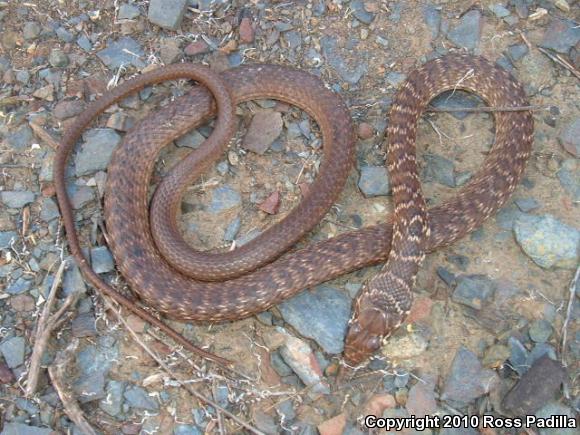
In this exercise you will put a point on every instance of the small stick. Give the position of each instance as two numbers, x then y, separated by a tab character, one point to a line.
11	101
489	109
175	376
46	324
572	291
562	62
58	373
44	135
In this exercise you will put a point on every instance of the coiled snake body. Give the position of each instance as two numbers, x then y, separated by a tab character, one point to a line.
187	285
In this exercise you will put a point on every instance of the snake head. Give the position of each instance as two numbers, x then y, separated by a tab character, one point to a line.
367	330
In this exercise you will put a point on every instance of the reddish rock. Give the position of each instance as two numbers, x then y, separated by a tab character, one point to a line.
68	109
421	309
421	400
22	303
334	426
6	375
272	204
264	129
197	47
365	130
247	32
378	403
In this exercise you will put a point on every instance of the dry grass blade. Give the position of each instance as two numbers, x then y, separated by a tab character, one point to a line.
562	62
572	294
58	373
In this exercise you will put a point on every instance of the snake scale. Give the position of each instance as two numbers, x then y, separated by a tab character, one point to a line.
183	284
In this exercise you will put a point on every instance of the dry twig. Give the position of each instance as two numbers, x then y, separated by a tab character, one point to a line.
44	135
560	61
46	324
58	373
489	109
572	291
177	377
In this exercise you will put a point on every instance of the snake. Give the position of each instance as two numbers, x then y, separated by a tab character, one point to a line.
183	284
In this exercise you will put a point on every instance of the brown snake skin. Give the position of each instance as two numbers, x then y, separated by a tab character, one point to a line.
241	291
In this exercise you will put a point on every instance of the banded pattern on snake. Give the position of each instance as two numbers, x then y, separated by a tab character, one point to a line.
255	277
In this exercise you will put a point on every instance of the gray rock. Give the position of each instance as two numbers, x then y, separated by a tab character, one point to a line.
265	423
128	12
374	181
396	11
360	13
102	260
499	10
113	402
85	44
547	241
224	198
439	169
186	429
332	55
167	13
432	17
569	178
19	286
540	331
467	33
468	380
446	276
556	408
517	51
507	215
73	280
95	153
518	356
191	139
14	428
474	290
93	365
83	325
233	229
293	39
13	351
58	58
80	195
536	387
16	198
124	51
521	8
138	397
21	138
304	311
527	204
279	365
539	351
48	210
561	35
23	76
569	137
395	78
7	238
31	30
64	35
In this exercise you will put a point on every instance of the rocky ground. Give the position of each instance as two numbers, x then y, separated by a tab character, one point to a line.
495	324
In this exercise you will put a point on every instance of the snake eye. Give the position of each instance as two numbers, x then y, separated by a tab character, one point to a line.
374	343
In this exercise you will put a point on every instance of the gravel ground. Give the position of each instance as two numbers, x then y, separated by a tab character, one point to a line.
494	328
